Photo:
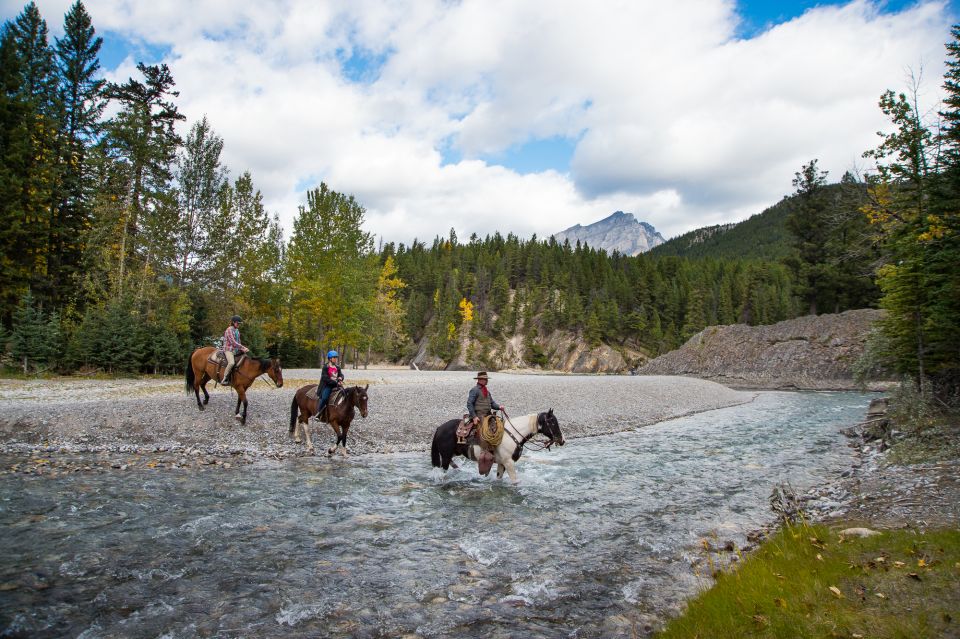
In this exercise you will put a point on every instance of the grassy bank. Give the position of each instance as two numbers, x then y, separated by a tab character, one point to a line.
811	581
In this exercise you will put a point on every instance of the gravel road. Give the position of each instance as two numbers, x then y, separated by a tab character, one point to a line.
155	415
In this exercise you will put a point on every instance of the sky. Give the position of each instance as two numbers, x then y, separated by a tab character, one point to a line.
530	116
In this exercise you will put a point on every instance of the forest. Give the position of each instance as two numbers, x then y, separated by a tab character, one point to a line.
125	243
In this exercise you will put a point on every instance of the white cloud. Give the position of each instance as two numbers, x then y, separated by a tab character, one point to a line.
677	120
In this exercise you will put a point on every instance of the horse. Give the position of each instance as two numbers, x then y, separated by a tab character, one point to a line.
339	412
516	435
200	370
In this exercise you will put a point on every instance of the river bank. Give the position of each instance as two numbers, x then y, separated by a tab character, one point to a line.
128	422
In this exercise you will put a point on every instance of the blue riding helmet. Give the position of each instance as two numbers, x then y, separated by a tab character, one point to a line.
332	354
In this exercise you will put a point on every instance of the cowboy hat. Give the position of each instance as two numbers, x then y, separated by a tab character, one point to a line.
482	375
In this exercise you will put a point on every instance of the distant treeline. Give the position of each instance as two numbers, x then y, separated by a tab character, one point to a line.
123	246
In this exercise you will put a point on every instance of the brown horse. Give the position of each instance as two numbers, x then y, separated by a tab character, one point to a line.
200	370
339	412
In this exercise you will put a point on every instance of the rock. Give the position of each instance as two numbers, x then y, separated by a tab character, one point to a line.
815	352
858	532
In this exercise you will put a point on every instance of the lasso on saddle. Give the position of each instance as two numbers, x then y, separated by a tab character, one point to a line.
487	435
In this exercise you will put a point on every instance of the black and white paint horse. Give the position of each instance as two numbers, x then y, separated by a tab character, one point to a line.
517	432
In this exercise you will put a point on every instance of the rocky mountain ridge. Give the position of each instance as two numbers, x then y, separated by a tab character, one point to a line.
619	232
814	352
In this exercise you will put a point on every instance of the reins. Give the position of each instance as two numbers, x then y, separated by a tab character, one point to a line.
237	371
526	439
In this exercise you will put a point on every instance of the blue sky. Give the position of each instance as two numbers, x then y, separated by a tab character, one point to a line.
529	117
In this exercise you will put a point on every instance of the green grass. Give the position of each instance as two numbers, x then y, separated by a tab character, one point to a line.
899	584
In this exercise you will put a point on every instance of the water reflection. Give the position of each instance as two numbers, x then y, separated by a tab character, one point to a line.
597	540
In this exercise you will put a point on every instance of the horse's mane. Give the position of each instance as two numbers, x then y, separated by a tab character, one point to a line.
264	363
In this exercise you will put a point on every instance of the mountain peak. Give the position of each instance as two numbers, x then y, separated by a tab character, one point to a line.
619	231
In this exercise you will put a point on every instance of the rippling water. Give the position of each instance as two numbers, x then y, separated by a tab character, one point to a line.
598	539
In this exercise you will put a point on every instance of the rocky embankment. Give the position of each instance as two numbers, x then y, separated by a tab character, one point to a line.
562	351
877	491
815	352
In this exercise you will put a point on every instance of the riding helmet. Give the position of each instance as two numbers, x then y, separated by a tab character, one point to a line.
332	354
236	318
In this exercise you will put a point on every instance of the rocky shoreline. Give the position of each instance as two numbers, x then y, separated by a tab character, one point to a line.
874	492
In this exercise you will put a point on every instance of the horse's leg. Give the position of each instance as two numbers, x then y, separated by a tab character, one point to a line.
243	420
241	396
511	469
305	425
343	438
336	429
204	378
500	469
197	385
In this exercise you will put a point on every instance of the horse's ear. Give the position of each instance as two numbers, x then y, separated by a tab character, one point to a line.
366	387
550	412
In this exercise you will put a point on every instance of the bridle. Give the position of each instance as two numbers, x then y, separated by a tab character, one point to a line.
528	439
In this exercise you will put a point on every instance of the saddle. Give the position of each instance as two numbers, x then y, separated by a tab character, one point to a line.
219	360
337	396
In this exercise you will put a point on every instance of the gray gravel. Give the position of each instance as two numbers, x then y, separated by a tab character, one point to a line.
154	416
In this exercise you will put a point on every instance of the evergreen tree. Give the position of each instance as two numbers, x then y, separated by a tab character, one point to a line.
31	335
81	96
808	225
143	139
28	177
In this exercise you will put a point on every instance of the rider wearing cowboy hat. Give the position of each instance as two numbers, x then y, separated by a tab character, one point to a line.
480	403
330	378
232	346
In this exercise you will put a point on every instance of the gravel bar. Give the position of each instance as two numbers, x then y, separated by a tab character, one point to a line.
145	416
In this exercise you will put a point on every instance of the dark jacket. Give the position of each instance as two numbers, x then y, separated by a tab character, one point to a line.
332	381
472	400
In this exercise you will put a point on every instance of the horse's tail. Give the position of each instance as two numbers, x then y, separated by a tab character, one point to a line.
293	413
188	375
435	450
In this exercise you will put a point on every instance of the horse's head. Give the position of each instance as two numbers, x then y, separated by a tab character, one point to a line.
275	372
548	425
360	399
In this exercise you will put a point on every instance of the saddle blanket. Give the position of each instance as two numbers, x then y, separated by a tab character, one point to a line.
335	397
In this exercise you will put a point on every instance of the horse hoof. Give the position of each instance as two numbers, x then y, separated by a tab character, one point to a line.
238	417
201	407
311	451
297	441
330	451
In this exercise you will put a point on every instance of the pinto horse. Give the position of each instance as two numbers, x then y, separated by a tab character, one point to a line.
339	412
200	370
516	434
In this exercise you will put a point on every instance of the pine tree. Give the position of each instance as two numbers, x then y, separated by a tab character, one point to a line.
808	225
143	139
29	334
81	94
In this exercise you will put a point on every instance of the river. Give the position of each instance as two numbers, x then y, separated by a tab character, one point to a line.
602	537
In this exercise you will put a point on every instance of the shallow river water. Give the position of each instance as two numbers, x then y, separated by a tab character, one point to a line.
602	537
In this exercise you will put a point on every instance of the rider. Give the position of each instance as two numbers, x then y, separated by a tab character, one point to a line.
330	378
232	346
480	403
